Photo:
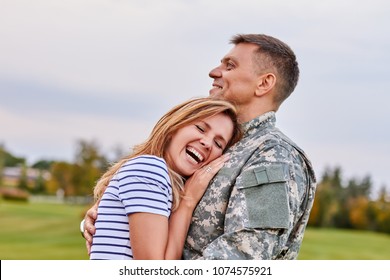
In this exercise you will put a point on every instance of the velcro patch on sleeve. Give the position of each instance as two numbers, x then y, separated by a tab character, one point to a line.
265	192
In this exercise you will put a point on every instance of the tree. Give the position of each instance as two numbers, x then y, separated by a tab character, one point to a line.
356	188
89	166
381	211
39	184
61	178
23	179
325	205
2	161
327	200
355	204
43	164
358	212
9	160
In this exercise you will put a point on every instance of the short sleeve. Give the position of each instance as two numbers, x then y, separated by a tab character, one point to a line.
144	186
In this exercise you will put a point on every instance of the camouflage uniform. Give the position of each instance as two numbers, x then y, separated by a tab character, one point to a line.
258	205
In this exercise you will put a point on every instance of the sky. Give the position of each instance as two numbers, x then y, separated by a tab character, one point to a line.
107	70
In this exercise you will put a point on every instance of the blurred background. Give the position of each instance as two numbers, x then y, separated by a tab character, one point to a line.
82	81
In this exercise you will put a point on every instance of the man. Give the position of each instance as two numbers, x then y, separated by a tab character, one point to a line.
258	205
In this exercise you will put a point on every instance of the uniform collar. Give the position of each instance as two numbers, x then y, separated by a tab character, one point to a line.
260	122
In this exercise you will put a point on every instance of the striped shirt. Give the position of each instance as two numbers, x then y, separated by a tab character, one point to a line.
142	184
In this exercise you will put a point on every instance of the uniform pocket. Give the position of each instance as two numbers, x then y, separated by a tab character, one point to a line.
265	191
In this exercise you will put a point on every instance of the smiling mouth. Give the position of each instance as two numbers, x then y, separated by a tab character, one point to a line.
194	154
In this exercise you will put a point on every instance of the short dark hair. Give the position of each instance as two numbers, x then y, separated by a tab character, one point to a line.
275	55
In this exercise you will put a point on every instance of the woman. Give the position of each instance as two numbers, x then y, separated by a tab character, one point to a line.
147	198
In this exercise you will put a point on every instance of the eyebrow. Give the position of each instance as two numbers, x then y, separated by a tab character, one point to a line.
227	58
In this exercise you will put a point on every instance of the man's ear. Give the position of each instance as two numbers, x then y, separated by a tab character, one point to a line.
265	84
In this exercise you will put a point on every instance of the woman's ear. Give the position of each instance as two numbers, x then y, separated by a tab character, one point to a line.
265	84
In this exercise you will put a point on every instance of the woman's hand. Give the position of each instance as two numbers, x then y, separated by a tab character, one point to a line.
196	185
89	225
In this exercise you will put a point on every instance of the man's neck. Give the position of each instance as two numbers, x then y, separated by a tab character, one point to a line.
246	114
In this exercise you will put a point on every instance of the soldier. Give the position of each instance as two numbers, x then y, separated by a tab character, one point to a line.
258	204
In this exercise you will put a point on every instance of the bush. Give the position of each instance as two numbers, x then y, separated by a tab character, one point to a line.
14	194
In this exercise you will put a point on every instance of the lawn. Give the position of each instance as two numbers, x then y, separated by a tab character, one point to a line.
337	244
34	231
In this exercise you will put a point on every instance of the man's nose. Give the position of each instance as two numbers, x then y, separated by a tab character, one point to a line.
215	73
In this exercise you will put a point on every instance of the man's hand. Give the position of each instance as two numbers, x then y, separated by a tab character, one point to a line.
89	225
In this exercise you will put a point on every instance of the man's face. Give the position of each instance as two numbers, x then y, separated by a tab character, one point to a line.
235	79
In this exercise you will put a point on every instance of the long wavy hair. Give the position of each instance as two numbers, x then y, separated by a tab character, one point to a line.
179	116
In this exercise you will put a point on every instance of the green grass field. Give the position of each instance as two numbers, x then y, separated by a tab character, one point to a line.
33	231
337	244
41	231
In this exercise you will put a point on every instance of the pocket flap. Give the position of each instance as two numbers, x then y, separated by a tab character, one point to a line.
275	173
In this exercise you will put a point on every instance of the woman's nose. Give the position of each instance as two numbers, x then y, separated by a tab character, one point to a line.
206	142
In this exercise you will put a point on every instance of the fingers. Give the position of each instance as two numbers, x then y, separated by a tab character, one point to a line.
92	212
201	178
213	167
89	231
221	159
89	226
196	185
88	245
88	235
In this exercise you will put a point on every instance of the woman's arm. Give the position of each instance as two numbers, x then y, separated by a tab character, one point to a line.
148	235
153	236
179	224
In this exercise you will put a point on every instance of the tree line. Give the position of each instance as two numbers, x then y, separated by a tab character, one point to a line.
338	202
75	178
350	205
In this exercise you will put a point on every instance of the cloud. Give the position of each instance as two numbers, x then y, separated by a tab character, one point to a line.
31	98
109	69
53	136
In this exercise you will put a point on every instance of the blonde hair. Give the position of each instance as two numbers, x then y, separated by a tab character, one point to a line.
181	115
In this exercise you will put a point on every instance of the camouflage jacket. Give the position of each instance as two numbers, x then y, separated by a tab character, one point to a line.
258	205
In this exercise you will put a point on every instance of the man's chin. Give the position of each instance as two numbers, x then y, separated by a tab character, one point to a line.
216	94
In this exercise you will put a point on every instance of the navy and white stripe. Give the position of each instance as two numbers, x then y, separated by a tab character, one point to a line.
141	185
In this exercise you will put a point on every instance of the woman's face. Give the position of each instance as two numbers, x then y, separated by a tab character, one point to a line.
195	145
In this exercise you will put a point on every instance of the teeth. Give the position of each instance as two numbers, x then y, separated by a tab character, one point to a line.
192	159
195	153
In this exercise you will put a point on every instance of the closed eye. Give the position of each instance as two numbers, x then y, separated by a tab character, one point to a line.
219	145
200	128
